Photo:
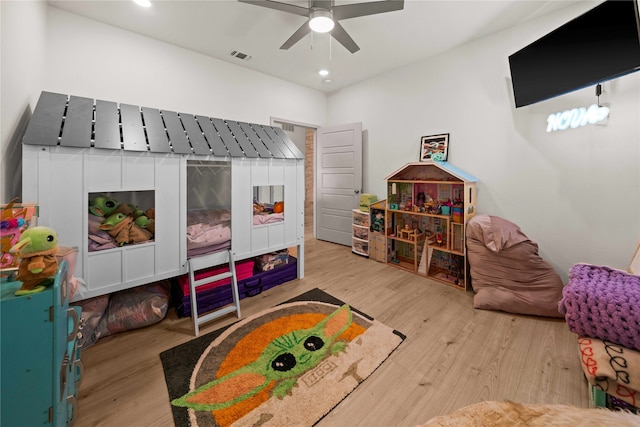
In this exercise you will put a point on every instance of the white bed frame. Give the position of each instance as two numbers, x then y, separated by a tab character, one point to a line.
59	177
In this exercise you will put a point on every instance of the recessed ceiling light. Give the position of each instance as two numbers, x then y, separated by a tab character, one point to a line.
323	72
143	3
327	81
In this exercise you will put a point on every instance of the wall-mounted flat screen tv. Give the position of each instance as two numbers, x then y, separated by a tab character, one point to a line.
600	45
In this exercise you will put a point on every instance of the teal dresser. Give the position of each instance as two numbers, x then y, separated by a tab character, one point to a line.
40	360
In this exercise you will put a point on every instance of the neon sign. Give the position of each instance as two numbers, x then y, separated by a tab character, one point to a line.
576	117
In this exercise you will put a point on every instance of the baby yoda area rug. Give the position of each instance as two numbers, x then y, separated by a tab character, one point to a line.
286	366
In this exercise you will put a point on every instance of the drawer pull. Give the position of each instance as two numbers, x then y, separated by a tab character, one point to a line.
73	331
72	407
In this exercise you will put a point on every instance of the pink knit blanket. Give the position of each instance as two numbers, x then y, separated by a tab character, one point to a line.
604	303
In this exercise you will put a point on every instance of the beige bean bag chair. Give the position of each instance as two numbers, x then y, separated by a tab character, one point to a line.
507	273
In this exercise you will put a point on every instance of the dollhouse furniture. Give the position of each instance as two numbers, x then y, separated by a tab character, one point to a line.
41	365
200	176
507	273
602	306
420	236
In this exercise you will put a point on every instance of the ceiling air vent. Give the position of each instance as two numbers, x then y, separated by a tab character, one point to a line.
240	55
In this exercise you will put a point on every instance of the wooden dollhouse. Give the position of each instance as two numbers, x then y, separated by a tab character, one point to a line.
427	208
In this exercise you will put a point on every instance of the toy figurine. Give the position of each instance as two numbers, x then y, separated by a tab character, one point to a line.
37	249
408	206
103	206
122	228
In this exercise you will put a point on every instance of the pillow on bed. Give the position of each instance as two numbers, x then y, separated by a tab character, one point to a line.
507	273
208	227
200	235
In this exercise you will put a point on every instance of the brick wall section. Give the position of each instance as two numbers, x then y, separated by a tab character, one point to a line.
309	177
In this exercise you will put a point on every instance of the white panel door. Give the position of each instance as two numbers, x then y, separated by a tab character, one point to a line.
338	180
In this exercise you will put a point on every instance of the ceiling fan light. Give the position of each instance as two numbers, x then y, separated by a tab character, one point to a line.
143	3
321	21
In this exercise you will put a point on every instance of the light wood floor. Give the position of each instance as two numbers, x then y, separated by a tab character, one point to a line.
453	355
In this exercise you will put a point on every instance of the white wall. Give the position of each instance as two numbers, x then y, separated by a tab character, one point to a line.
22	60
87	58
576	193
44	48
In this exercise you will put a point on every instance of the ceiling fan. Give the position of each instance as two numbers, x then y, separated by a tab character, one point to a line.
323	16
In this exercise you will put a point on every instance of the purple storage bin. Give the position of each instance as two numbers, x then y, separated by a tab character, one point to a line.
211	299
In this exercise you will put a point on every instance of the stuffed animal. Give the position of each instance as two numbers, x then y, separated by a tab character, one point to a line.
103	206
150	215
136	213
37	250
123	228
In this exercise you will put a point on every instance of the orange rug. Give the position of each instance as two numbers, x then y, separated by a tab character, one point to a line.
289	365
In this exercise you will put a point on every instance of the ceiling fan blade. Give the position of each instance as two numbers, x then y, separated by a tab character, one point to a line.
284	7
354	10
297	36
340	34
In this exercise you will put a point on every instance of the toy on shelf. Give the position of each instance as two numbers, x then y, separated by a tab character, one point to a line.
37	250
123	228
103	206
408	233
15	220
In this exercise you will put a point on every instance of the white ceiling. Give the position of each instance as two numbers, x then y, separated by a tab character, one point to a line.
387	41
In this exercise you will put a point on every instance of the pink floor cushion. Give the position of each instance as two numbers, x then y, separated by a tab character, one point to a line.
604	303
507	273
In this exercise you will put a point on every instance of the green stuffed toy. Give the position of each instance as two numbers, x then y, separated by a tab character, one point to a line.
103	206
37	250
123	228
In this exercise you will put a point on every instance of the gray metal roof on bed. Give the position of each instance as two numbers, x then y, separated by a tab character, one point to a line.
73	121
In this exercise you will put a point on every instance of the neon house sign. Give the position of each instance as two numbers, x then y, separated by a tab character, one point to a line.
576	118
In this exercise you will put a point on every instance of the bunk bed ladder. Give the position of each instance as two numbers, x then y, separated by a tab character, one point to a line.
199	263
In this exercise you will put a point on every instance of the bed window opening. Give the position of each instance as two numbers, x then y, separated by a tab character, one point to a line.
120	218
268	204
208	206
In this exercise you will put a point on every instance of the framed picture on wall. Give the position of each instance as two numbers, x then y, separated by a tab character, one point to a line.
434	147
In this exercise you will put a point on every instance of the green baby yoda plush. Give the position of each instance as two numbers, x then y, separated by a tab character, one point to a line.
103	206
123	228
37	250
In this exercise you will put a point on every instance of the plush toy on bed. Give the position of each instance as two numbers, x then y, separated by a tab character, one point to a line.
257	208
150	224
123	228
103	206
37	250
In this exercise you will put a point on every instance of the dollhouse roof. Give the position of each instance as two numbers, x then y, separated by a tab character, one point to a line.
427	171
73	121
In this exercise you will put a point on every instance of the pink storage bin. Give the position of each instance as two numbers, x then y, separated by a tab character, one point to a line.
244	270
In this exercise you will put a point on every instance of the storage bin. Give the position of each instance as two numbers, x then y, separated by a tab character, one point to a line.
244	270
272	260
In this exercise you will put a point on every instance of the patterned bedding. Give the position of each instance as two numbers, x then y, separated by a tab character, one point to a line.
208	230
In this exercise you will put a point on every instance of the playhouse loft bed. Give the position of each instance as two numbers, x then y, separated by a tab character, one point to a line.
201	178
